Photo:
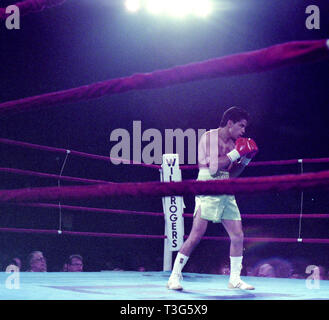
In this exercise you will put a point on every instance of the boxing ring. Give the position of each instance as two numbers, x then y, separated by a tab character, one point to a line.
133	285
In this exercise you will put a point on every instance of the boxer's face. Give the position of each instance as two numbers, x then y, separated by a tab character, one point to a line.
237	129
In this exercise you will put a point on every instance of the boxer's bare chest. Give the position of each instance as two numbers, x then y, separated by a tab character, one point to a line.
216	141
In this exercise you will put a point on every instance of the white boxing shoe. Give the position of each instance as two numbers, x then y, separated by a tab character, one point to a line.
240	285
173	282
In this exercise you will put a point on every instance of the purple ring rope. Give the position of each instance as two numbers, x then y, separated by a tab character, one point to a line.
183	167
276	56
85	234
287	162
30	6
51	176
305	181
276	216
72	152
96	210
283	240
144	236
269	163
161	214
285	216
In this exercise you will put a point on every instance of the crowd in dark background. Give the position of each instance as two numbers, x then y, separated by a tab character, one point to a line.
274	267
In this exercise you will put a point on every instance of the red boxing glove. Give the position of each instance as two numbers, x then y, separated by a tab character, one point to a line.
247	158
243	147
253	148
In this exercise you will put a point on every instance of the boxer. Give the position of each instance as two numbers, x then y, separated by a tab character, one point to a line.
222	153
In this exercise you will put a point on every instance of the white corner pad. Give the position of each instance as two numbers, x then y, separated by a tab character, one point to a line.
327	43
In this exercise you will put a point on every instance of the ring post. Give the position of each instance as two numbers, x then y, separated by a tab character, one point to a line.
173	208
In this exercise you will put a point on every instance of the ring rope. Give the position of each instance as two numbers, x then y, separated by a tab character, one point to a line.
31	6
285	240
270	163
187	215
73	152
96	210
276	56
51	176
304	181
287	162
125	161
78	233
144	236
285	216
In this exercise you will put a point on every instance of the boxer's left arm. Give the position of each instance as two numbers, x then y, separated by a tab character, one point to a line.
238	166
236	169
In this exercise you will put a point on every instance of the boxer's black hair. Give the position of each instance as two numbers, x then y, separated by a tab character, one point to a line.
235	114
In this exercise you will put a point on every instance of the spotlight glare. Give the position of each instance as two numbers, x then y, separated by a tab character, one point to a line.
201	8
132	5
178	8
155	6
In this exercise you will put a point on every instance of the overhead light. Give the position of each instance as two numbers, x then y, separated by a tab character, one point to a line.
201	8
155	6
178	8
133	5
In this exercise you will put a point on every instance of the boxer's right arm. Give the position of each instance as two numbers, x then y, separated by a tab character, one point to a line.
208	147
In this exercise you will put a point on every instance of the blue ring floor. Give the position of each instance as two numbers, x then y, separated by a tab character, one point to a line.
129	285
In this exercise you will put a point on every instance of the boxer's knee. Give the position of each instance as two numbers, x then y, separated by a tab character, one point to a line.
237	237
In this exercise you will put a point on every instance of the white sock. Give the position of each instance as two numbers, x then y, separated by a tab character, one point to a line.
235	270
179	264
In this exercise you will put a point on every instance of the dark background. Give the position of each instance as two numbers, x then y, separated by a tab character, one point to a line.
86	41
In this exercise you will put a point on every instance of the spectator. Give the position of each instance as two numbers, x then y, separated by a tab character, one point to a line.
17	262
273	267
12	262
75	263
266	270
36	262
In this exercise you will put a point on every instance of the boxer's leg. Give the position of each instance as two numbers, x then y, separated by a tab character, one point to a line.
199	227
234	230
